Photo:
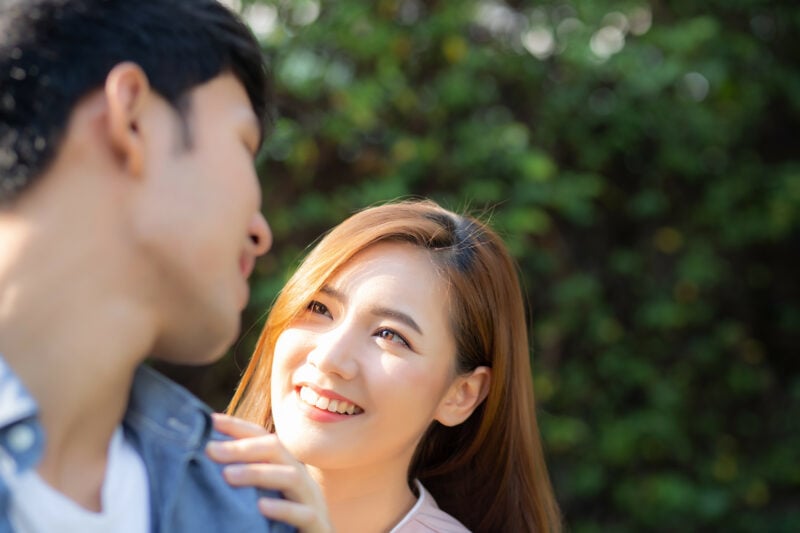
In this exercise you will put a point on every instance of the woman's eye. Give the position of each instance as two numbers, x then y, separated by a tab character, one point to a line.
318	308
392	336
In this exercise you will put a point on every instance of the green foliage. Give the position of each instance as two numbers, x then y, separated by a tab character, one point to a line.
641	159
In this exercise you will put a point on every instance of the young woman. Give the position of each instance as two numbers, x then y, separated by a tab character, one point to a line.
395	366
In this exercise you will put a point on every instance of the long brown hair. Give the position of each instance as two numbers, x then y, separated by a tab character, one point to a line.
488	472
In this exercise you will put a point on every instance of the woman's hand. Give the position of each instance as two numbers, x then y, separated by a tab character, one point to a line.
268	465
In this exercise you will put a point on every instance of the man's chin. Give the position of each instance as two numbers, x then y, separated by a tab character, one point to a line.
202	346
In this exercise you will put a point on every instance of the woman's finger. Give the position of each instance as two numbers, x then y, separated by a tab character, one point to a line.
263	449
303	517
262	461
236	427
290	480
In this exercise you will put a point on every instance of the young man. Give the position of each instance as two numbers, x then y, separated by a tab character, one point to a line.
129	223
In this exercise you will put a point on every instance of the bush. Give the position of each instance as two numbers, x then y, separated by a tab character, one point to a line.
640	158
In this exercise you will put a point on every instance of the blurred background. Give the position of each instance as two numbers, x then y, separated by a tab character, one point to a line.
641	159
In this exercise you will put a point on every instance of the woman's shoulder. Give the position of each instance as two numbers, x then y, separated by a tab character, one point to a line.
426	517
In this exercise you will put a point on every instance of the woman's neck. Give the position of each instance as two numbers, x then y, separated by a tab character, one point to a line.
368	501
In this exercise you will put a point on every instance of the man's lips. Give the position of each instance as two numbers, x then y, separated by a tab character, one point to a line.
246	265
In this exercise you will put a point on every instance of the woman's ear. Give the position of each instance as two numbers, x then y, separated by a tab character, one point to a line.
464	395
127	90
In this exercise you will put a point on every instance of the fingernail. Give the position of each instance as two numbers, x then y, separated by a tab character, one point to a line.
234	472
265	504
214	447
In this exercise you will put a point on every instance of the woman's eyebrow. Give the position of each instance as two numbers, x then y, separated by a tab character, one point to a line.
384	312
333	293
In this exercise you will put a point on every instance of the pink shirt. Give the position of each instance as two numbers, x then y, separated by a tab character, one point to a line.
426	517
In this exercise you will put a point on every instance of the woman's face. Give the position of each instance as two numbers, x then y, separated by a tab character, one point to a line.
360	375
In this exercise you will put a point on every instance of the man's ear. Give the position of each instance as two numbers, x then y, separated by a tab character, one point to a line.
127	90
464	395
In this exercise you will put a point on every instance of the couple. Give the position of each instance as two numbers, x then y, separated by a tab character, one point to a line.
394	364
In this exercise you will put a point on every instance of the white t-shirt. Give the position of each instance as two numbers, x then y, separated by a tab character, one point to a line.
36	507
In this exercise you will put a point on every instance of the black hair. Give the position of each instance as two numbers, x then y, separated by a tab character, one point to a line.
53	52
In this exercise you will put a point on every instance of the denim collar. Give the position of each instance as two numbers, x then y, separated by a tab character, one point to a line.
16	403
158	405
18	414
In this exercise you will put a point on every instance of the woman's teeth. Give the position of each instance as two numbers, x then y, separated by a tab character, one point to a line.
326	404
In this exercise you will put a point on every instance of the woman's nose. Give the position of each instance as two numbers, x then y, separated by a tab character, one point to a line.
334	353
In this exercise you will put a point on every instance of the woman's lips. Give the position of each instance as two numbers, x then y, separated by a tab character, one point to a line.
328	401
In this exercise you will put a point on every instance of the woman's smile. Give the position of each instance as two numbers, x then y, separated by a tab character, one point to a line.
327	401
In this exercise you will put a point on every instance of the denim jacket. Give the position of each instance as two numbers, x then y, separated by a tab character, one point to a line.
169	428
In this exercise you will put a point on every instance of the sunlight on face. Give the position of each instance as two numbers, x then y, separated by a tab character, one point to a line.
358	377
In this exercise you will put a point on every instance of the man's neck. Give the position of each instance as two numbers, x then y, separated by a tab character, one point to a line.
79	370
74	335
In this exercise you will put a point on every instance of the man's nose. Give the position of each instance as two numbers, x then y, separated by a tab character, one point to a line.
260	234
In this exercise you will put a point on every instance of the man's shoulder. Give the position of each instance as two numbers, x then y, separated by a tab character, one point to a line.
170	428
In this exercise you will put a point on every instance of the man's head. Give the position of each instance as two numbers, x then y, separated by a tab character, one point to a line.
54	52
128	131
